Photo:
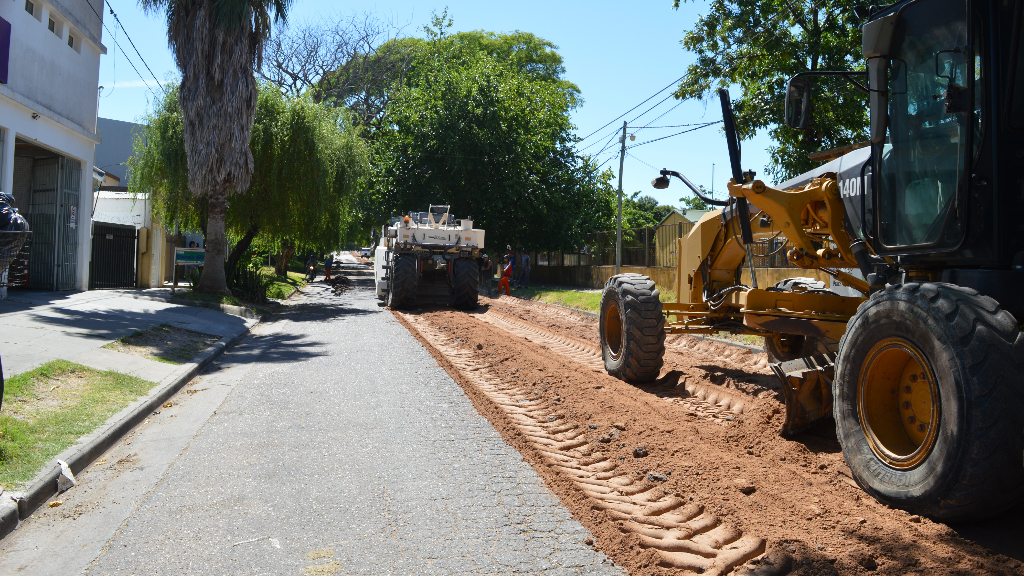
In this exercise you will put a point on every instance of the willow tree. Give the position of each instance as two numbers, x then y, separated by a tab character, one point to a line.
217	44
309	164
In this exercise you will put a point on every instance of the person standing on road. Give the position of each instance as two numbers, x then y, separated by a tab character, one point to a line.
328	262
524	274
511	258
486	274
506	275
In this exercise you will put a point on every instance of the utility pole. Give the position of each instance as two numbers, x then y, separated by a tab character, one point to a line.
618	220
712	179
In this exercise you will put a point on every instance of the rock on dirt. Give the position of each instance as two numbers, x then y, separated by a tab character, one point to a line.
656	476
743	485
65	480
640	452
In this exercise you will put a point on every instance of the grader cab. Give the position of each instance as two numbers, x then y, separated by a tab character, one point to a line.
922	372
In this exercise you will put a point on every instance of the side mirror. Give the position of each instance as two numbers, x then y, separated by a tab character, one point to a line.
798	103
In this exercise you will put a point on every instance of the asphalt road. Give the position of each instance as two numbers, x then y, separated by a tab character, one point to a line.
330	442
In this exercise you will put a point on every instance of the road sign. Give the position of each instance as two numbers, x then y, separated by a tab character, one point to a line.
189	256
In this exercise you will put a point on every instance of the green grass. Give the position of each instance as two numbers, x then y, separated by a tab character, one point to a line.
578	298
283	286
587	299
48	409
214	298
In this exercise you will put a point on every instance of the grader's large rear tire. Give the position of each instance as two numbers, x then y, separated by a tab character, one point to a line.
632	328
466	283
929	401
402	286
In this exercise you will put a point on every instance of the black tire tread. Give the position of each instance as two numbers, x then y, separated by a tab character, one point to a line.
403	288
991	346
643	338
466	283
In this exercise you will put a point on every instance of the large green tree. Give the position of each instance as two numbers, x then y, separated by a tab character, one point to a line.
757	45
478	129
216	45
309	163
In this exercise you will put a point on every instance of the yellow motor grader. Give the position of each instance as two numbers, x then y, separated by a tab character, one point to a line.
923	371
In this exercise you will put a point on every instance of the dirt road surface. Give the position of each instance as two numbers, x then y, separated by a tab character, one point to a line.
689	474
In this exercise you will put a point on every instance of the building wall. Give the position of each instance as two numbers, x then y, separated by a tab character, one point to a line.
51	95
113	153
47	72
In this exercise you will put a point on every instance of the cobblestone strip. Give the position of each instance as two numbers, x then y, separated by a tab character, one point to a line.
684	535
698	399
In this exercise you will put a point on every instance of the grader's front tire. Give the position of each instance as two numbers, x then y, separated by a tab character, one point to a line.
929	401
632	328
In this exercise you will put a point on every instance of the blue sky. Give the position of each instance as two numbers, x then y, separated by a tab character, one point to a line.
618	53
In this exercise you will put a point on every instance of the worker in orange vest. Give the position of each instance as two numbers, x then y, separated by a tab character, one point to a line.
506	275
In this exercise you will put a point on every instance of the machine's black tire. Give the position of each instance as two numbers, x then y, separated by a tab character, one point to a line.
465	283
631	309
975	350
402	287
786	347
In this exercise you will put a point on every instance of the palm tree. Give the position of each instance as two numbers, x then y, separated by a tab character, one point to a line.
217	45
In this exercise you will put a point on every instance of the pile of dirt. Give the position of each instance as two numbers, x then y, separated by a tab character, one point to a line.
709	436
339	284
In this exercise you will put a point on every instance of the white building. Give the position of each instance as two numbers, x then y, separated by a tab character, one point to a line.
50	50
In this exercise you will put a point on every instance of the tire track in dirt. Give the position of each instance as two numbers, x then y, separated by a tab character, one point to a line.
700	399
684	535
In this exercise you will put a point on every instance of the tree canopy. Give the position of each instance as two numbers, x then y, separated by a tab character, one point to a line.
758	45
482	122
309	164
638	211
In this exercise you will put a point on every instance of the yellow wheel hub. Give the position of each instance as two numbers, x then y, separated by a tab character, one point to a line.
613	330
898	403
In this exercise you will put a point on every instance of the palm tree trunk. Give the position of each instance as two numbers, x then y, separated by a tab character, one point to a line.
213	279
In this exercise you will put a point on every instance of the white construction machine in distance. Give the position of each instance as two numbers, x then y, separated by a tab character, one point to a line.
428	256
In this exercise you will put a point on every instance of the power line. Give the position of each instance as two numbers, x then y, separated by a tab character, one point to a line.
663	114
652	107
116	43
596	142
671	126
640	161
619	117
705	125
118	20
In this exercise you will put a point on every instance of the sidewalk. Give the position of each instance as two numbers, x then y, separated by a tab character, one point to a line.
37	327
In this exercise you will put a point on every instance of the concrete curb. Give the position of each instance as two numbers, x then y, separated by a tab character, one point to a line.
15	508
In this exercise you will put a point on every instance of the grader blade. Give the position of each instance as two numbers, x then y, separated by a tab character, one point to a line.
807	387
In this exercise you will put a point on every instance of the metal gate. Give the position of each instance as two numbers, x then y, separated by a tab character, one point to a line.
67	224
42	218
53	219
114	247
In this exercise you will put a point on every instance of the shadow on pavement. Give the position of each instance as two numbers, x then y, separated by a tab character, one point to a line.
116	323
283	349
